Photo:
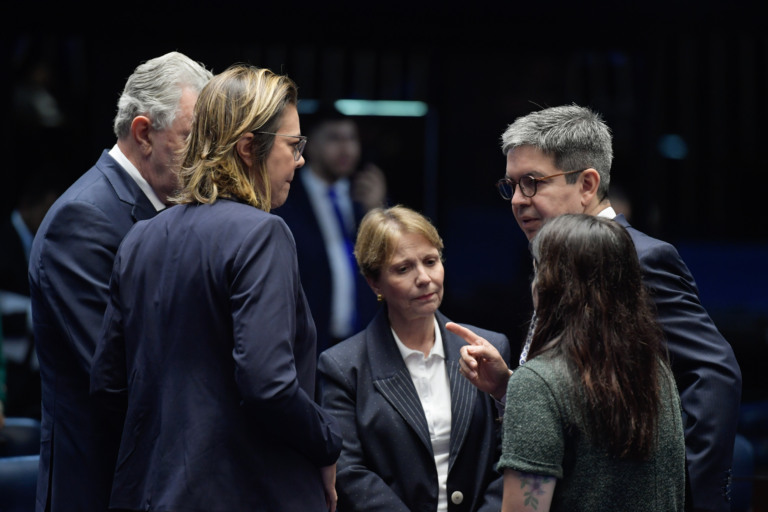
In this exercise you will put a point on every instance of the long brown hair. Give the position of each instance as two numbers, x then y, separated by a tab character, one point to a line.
595	312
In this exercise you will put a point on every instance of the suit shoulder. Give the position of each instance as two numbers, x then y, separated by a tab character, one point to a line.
348	351
645	242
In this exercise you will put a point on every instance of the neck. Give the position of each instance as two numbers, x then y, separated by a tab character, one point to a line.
417	334
597	207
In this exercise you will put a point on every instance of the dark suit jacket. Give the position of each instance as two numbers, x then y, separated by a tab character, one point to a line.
313	263
70	264
387	463
707	374
208	336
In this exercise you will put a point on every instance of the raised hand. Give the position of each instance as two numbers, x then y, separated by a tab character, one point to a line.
481	363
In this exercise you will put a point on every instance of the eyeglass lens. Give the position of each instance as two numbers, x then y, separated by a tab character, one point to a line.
527	187
298	149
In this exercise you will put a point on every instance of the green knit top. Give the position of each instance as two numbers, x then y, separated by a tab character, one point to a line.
545	434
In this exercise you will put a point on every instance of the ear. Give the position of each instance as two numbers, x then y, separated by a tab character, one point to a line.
372	284
243	148
590	182
141	126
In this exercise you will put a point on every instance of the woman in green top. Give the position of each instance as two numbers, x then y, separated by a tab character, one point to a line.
592	420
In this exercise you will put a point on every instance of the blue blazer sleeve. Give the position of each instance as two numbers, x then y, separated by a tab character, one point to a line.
264	286
360	487
74	270
705	368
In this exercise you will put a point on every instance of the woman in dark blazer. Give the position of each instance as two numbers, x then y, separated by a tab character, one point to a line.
208	346
417	435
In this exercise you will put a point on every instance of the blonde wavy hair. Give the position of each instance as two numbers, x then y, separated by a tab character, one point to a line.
381	230
238	101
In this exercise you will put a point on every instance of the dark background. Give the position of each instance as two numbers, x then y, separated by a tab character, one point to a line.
697	71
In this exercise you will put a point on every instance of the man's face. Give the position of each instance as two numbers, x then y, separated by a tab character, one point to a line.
333	149
553	197
165	158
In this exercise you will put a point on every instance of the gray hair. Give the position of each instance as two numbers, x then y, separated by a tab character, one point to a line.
154	90
576	138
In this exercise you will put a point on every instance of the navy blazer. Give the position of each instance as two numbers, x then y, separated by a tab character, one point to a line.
705	367
208	347
387	463
314	267
70	264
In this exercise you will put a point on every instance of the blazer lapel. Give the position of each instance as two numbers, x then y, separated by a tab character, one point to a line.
392	379
126	189
463	394
143	211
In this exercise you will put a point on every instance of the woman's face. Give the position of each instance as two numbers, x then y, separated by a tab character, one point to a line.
412	281
280	161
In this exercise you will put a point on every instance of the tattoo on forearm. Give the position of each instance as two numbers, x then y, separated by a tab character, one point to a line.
532	488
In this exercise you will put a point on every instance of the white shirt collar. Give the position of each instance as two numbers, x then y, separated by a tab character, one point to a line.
608	213
436	350
134	173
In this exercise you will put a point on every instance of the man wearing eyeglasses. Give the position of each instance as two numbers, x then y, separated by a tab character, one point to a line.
329	197
559	161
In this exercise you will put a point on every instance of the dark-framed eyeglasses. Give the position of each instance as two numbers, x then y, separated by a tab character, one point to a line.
298	148
527	184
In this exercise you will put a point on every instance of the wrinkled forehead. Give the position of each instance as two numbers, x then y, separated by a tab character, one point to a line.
530	159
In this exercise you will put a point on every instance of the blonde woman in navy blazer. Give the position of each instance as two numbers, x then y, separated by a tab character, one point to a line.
208	346
395	426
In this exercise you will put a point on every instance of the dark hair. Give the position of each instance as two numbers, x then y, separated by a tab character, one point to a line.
595	312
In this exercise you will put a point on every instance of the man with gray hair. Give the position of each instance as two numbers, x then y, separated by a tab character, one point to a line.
70	265
559	161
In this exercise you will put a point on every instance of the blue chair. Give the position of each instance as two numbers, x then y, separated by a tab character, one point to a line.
20	436
18	482
742	487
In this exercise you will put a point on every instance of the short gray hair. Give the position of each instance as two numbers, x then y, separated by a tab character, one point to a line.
154	90
576	138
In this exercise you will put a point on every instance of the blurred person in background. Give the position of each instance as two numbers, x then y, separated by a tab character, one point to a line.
328	199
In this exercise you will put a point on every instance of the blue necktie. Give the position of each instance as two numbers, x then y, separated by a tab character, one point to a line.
349	245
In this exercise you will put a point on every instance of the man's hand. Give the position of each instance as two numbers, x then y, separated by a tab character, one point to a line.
369	187
329	482
481	363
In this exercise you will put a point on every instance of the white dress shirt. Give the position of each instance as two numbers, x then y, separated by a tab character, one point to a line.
608	213
134	173
342	276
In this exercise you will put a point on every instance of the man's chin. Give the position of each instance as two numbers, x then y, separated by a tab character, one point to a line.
530	228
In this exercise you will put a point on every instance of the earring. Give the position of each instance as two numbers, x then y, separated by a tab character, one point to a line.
379	297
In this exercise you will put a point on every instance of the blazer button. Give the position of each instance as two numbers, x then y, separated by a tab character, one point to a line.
457	497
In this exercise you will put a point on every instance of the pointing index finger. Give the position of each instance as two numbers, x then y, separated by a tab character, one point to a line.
468	336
